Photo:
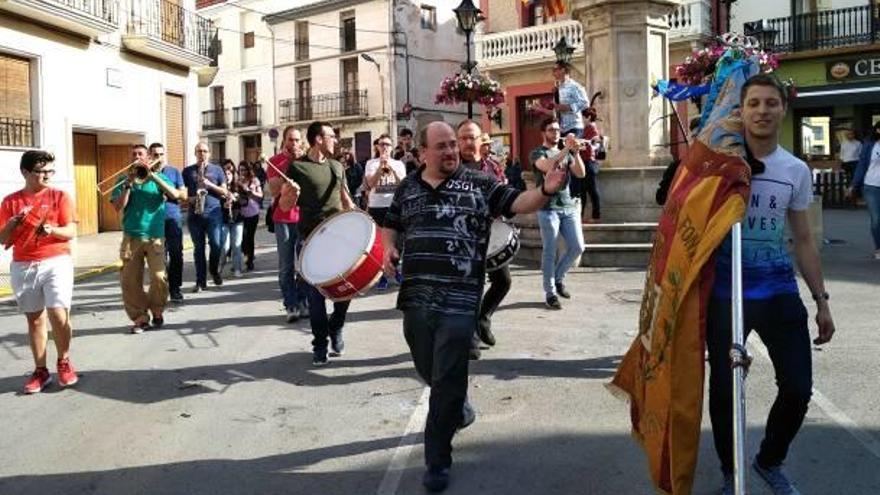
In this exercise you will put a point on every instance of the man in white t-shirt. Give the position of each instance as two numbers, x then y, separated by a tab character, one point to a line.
382	175
771	303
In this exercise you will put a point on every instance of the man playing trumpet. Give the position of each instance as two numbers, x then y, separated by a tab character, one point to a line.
140	196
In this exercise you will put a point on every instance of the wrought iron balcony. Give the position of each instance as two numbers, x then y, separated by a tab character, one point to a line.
165	30
246	116
328	106
86	17
213	120
529	45
17	133
692	20
849	26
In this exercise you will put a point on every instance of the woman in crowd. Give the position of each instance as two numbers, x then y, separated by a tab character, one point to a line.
233	225
250	197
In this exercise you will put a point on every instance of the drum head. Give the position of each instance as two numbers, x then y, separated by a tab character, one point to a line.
335	246
500	236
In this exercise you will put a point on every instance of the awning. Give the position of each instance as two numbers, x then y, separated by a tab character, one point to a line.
838	94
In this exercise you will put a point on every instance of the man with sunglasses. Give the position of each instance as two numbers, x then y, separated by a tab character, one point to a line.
173	224
382	175
39	222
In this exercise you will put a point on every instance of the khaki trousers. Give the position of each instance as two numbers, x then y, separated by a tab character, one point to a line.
132	253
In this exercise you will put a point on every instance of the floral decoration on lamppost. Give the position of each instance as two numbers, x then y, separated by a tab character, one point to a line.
468	15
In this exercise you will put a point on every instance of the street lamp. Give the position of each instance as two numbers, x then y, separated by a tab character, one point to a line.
468	15
563	51
369	58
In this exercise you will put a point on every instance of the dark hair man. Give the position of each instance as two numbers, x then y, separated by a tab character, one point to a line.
173	223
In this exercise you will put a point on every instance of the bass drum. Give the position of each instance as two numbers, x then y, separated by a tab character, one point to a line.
503	245
342	257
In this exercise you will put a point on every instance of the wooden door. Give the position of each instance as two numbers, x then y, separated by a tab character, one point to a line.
529	127
172	16
85	172
110	160
175	139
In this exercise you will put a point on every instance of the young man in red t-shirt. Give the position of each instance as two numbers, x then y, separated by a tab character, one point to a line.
38	221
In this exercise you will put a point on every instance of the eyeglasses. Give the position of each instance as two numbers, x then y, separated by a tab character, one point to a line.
554	129
384	144
47	173
201	151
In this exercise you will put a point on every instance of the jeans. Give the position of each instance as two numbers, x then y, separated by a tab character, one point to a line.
232	234
293	290
322	326
247	241
174	253
566	222
781	322
439	344
499	286
872	199
211	225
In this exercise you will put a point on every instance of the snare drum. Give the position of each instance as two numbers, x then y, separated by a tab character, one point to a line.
342	257
503	245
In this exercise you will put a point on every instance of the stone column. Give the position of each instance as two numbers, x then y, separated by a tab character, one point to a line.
626	46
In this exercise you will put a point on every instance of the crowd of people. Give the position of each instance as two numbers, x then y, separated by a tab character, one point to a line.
435	206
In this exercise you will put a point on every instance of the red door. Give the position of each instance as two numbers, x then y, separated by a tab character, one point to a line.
529	127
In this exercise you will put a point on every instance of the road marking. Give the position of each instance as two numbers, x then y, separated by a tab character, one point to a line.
394	473
832	411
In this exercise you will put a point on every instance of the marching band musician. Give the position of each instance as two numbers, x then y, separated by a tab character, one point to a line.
316	178
206	186
470	137
42	268
140	195
444	213
173	226
382	175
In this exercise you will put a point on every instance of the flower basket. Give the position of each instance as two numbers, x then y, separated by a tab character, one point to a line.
699	67
476	88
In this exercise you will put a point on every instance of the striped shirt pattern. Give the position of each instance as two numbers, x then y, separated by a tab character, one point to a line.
446	234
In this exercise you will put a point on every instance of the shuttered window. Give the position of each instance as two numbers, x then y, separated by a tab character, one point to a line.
16	121
175	140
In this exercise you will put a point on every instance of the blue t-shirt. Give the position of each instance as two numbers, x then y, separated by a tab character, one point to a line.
213	173
172	208
767	270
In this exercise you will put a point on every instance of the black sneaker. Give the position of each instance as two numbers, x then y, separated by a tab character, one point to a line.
337	344
553	302
199	288
293	315
485	333
176	296
319	357
468	415
157	323
436	479
560	289
217	278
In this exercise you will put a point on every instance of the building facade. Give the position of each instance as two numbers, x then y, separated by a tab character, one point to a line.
366	66
86	79
830	50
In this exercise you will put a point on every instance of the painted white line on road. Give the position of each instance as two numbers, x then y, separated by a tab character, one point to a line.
394	473
832	411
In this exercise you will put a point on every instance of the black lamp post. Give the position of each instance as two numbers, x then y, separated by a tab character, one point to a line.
468	15
563	51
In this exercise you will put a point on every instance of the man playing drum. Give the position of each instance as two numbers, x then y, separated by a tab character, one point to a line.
319	189
469	141
39	222
444	213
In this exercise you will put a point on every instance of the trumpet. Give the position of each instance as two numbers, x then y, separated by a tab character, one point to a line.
141	171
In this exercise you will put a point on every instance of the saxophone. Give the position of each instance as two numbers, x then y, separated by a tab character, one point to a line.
201	192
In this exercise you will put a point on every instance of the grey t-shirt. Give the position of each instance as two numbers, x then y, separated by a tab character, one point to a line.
562	199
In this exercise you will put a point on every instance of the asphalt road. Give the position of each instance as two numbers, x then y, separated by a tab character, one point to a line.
224	399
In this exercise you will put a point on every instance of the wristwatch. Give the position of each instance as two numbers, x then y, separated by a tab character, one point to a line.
823	296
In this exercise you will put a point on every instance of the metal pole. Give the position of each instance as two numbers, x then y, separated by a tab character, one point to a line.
740	360
467	48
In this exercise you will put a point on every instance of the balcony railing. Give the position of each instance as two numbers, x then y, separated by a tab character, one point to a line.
166	30
329	106
17	132
818	30
214	119
526	45
86	17
246	116
690	21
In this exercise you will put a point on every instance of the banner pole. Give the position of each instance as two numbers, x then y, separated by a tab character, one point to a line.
740	360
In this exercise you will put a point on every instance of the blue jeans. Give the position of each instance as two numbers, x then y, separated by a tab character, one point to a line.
293	290
781	322
566	222
322	325
174	253
232	236
872	198
211	225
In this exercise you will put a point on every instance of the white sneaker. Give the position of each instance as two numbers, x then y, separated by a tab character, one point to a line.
236	273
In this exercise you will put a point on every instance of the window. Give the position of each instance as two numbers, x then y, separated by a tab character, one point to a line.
348	32
350	86
429	17
249	40
249	92
815	135
17	123
303	110
217	98
301	42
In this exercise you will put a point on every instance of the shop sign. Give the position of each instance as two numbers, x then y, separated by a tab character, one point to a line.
854	68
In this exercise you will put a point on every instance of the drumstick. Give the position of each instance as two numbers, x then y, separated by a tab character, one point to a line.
283	175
